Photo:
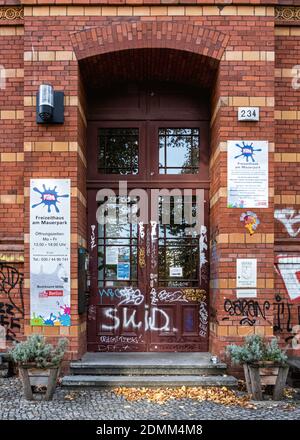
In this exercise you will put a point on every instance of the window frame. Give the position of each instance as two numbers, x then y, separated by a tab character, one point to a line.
106	137
163	170
92	142
153	141
148	159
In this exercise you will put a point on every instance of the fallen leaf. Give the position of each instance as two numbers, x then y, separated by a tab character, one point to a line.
223	396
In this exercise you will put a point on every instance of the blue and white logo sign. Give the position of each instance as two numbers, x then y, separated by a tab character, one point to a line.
49	197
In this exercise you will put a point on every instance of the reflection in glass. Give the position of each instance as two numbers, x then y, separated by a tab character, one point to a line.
117	248
178	253
118	150
178	150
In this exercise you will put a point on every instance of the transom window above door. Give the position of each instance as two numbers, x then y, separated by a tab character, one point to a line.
149	150
118	150
179	150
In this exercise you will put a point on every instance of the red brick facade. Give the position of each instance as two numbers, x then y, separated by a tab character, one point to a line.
243	52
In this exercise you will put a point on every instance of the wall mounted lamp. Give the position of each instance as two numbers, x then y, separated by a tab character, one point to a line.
49	105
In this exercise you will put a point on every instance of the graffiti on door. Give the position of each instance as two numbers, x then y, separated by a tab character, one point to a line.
155	319
154	316
166	296
127	295
93	237
203	319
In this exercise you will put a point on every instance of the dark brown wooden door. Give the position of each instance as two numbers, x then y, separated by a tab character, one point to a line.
149	289
149	277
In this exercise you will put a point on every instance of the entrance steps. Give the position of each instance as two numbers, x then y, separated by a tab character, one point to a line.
147	370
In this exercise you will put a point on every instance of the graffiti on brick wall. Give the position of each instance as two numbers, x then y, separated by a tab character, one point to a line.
9	321
288	267
287	311
11	300
248	310
286	317
290	218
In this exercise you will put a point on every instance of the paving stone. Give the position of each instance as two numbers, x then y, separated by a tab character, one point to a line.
105	405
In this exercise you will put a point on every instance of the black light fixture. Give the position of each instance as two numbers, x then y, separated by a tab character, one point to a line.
49	105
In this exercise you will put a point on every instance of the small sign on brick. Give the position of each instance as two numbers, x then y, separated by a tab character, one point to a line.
248	113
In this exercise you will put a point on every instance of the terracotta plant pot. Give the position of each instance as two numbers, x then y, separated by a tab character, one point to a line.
38	377
265	373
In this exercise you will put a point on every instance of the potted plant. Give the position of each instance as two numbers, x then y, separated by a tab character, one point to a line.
264	364
39	364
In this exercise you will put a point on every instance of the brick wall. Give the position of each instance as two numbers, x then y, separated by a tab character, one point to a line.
11	182
287	200
253	60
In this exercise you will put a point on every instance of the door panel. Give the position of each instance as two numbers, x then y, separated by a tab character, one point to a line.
158	301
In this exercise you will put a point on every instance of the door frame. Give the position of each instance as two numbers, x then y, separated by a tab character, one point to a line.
148	120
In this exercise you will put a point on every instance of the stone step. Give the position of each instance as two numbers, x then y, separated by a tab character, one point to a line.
147	364
150	370
147	381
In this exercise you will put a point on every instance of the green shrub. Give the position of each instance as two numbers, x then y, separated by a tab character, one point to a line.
256	349
36	350
274	353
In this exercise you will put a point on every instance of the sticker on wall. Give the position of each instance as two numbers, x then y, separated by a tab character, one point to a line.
247	174
250	221
112	255
50	252
246	270
175	271
123	271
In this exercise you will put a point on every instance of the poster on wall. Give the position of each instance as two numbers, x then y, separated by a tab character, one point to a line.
50	252
123	271
246	272
247	174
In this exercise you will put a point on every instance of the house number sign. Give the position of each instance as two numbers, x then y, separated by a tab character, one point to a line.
248	114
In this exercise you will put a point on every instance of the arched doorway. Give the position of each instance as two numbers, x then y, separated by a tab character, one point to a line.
149	278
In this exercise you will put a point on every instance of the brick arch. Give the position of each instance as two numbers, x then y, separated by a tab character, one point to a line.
126	35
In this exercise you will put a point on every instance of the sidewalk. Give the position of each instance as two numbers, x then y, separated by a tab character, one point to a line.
106	405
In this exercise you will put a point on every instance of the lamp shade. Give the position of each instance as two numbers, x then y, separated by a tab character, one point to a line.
46	101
